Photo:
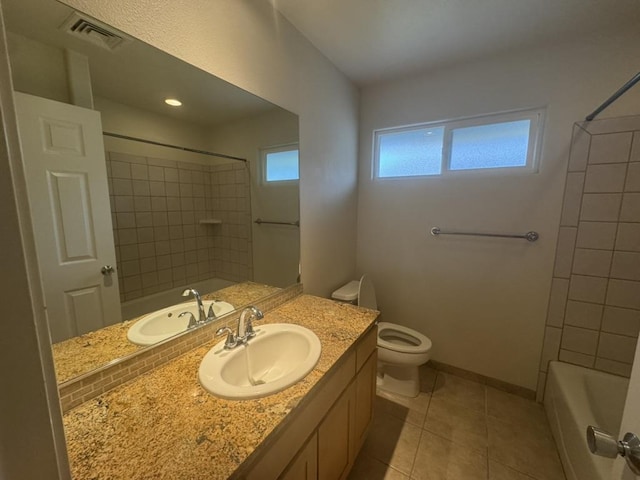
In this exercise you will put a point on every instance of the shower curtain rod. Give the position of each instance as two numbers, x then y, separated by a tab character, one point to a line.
185	149
614	97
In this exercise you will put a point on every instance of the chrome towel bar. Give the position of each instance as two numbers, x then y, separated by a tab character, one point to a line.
259	221
530	236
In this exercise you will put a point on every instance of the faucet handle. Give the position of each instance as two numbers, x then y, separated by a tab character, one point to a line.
231	341
249	332
256	314
192	319
211	315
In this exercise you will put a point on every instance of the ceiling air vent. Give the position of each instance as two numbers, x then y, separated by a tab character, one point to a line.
93	31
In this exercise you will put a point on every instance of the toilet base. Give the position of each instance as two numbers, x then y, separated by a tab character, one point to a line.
402	380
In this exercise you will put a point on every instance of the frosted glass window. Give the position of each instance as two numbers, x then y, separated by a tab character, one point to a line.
282	165
498	145
503	142
410	153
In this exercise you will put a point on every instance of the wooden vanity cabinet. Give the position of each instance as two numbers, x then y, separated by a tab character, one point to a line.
305	465
331	427
344	429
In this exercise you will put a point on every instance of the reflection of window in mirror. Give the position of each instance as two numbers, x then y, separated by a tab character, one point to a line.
280	164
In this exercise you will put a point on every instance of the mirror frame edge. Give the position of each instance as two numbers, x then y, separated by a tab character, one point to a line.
55	443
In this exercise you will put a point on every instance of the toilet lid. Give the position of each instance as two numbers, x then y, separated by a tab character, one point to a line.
402	339
367	294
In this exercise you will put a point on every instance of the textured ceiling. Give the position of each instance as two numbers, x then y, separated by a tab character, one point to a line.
375	40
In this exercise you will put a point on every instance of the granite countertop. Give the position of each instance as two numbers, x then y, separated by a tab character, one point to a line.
163	424
92	350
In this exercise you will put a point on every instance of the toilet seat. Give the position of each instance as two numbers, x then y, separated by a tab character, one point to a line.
407	339
401	350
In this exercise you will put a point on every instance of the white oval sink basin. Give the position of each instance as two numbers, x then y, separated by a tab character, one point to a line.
165	323
278	356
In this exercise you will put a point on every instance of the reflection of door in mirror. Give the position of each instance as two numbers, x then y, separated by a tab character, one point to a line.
67	185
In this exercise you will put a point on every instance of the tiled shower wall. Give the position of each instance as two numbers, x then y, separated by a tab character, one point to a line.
157	206
594	311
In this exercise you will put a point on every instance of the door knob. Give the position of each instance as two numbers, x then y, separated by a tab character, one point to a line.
604	444
107	270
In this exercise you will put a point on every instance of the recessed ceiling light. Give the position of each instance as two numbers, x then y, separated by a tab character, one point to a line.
173	102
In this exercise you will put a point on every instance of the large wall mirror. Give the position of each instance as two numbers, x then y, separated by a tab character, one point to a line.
134	200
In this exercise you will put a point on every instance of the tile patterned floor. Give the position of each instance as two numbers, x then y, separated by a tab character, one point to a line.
457	429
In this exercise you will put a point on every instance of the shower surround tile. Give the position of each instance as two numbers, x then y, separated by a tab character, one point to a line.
157	206
600	207
623	321
630	208
616	347
596	235
600	316
557	302
580	340
564	252
596	263
605	178
587	289
628	238
579	154
610	148
585	315
572	199
633	178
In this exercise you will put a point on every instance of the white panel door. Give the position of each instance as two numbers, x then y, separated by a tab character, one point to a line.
66	175
630	418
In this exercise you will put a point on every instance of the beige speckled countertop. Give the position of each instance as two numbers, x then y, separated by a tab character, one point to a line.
84	353
165	425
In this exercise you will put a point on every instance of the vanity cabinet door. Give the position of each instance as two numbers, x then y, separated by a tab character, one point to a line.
365	398
305	465
336	440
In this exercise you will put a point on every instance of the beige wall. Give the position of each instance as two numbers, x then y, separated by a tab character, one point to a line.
482	301
135	122
38	69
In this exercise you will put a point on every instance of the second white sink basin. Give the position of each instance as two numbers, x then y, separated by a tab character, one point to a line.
165	323
278	356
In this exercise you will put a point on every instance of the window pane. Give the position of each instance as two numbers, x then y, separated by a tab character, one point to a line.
410	152
490	146
282	166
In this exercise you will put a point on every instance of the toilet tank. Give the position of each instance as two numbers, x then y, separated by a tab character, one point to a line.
348	292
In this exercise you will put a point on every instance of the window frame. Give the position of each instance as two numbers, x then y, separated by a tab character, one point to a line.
536	126
264	151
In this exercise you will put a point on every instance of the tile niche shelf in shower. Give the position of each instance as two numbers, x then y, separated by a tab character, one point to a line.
210	221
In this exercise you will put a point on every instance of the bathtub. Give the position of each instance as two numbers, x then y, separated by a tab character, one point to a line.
160	300
576	397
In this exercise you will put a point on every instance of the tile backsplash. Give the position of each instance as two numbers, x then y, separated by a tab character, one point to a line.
157	207
594	309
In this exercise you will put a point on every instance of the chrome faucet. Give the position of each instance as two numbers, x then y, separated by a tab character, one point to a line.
245	325
244	331
202	316
192	319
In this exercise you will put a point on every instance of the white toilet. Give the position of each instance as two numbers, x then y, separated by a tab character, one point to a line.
401	350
